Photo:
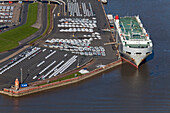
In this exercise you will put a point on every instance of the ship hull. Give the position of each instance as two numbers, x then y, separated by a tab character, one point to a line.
134	44
133	61
129	54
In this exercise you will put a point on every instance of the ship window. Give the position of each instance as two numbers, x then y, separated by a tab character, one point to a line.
128	52
138	53
147	52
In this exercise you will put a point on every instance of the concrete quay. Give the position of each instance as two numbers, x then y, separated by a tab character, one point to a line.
100	63
35	89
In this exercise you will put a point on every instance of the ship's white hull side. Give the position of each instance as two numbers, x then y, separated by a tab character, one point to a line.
138	58
133	57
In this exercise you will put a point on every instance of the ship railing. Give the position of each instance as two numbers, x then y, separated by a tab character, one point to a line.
137	40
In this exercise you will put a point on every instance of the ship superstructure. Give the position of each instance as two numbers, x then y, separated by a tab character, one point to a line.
135	44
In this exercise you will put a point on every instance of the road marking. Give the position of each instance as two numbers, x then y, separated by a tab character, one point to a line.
47	67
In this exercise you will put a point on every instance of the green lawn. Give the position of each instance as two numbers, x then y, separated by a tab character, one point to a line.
67	77
49	18
48	25
10	39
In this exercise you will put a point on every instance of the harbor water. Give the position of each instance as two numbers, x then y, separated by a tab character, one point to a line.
123	89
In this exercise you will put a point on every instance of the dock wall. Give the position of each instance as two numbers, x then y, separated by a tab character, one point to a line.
35	89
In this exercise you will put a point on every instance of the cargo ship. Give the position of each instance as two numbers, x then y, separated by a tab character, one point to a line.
133	40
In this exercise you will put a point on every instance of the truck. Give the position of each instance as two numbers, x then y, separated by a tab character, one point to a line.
111	20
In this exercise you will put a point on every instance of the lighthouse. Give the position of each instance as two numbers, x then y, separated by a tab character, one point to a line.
16	84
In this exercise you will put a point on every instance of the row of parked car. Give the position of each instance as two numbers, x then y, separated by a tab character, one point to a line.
94	35
78	20
87	51
77	42
77	46
74	25
76	30
6	14
77	25
6	8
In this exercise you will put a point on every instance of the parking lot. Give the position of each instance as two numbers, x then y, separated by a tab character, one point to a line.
39	63
81	31
9	14
75	39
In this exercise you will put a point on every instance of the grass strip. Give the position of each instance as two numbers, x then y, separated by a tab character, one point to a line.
48	25
49	19
64	78
10	39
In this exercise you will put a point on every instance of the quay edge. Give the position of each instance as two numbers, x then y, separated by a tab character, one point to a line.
36	89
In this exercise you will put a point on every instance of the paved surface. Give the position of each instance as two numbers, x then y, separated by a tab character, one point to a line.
30	69
12	55
29	66
101	24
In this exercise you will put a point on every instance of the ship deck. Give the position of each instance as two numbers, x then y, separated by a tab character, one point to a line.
131	28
